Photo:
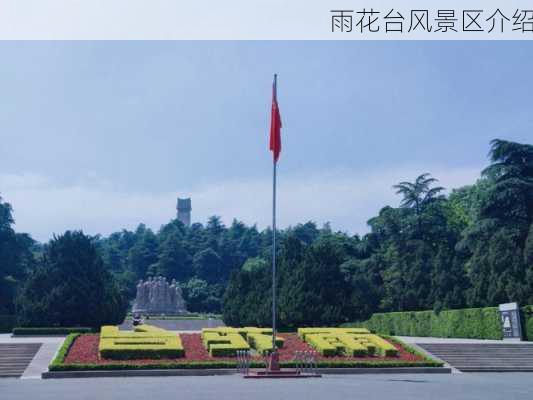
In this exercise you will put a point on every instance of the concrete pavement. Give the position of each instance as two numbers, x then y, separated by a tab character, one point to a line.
434	340
39	364
515	386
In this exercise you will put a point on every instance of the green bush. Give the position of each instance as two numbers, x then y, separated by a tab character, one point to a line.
133	354
45	331
145	342
189	316
232	364
7	322
162	365
263	343
63	350
527	322
473	323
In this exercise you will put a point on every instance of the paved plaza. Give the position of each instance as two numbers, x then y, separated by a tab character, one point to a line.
39	364
512	386
484	386
194	325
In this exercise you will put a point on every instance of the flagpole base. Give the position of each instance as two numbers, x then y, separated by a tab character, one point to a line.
273	362
273	370
279	375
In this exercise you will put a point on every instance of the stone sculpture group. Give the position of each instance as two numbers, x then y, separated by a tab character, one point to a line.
157	296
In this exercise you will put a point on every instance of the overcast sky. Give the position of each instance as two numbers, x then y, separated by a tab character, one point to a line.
101	136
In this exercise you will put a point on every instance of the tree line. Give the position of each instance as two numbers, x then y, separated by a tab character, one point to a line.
472	247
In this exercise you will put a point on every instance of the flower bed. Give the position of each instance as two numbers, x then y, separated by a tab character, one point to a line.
80	352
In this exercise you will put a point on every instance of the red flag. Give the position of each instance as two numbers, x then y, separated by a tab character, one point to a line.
275	124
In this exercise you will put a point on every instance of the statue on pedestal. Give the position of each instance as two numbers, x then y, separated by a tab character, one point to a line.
157	296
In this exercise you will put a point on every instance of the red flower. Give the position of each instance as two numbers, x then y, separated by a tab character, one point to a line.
84	350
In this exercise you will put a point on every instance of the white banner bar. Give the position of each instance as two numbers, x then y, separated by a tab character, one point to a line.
266	20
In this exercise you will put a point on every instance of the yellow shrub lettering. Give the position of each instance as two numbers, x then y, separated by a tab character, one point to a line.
347	342
145	342
226	341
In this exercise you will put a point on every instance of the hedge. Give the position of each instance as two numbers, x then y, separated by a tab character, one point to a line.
322	344
229	364
63	350
381	346
263	343
49	331
472	323
7	323
302	332
226	341
346	341
180	365
145	342
58	362
527	322
132	352
191	316
219	345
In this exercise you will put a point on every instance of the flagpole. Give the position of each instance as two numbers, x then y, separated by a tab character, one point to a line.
274	256
274	173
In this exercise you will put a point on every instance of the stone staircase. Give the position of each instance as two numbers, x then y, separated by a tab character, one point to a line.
14	358
481	357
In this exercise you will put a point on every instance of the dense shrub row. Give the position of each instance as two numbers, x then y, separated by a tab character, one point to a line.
45	331
59	359
527	322
231	365
145	342
188	316
350	342
262	343
226	341
475	323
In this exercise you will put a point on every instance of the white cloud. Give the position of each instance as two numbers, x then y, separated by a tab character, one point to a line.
345	198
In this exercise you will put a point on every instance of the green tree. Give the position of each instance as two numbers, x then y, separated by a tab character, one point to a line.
254	264
496	244
144	253
173	261
472	247
307	232
418	194
312	290
16	258
202	297
70	287
207	265
315	292
366	287
412	250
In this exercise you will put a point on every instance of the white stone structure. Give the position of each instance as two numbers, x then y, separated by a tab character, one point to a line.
156	296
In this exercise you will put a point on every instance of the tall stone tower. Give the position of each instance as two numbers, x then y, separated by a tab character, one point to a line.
184	211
